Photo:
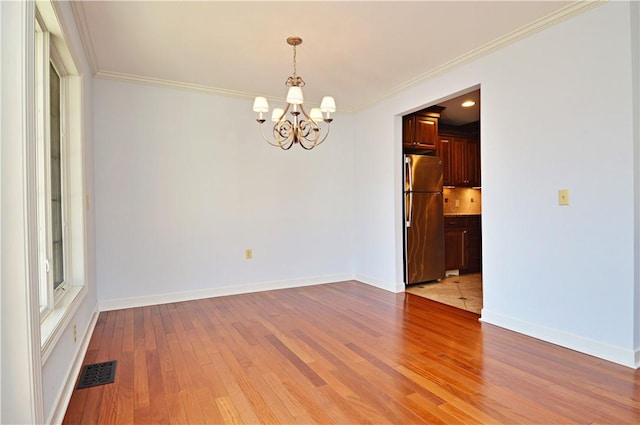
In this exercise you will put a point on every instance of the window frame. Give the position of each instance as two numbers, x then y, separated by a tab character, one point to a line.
48	56
51	46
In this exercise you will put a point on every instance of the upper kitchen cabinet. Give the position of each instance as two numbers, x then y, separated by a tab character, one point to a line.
420	130
460	152
464	160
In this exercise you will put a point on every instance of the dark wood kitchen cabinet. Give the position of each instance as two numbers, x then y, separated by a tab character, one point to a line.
454	249
463	243
474	244
444	152
472	162
461	158
420	130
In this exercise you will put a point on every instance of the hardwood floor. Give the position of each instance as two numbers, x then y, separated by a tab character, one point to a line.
342	353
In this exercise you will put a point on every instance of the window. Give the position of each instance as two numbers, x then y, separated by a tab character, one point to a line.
60	177
52	172
55	177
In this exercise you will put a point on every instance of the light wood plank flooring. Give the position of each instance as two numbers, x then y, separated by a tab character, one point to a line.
343	353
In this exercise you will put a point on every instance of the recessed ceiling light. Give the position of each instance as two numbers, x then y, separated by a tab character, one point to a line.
468	103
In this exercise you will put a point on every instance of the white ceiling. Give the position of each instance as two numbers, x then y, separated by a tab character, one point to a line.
356	51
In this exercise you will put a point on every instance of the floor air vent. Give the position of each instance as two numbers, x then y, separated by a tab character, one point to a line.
97	374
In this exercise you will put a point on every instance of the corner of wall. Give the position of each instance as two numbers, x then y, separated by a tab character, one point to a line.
394	287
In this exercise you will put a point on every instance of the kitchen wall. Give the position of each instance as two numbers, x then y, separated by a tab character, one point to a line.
557	112
462	200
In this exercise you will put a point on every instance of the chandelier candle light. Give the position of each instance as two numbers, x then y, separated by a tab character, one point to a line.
302	128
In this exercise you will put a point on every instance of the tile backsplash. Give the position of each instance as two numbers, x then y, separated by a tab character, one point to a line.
462	200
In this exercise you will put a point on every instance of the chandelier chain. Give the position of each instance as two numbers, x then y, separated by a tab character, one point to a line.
294	62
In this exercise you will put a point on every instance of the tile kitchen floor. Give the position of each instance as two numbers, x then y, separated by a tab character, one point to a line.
464	291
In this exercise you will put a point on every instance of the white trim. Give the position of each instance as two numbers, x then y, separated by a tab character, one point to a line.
553	18
30	194
120	303
574	342
64	395
395	287
139	79
21	371
56	322
77	8
51	15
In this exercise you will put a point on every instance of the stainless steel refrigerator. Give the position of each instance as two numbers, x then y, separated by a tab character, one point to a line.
424	219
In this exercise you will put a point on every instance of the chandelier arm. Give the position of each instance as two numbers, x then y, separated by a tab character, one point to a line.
285	131
277	143
282	141
307	148
308	117
326	134
307	127
284	134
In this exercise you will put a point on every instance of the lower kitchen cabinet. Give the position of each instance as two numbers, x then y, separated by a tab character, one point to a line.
454	249
474	245
463	243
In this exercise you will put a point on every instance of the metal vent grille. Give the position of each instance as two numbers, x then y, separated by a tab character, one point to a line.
97	374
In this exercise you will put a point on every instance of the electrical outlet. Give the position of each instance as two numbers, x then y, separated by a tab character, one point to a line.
563	197
248	254
75	333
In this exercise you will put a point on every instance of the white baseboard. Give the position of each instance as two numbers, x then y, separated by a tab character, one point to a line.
57	415
120	303
387	286
629	358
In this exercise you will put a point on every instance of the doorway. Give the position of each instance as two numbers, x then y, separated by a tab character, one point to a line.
459	147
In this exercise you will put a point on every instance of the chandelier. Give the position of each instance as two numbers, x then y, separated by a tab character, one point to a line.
301	127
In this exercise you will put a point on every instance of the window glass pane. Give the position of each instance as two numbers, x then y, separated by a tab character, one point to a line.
57	251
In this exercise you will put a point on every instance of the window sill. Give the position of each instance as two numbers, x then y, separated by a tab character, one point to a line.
54	325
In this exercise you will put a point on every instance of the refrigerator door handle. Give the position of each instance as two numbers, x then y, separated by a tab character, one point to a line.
409	210
407	173
409	179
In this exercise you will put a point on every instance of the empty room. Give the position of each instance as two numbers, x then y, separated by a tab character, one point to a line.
234	212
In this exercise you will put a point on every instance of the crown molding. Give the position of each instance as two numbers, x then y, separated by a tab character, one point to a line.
79	16
540	24
140	79
567	12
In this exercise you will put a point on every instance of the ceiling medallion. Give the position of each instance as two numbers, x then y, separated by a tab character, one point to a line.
300	128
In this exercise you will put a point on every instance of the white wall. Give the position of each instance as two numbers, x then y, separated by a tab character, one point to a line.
185	183
580	139
635	72
556	113
1	257
378	176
